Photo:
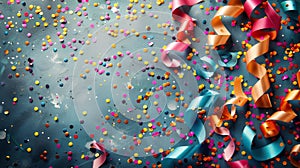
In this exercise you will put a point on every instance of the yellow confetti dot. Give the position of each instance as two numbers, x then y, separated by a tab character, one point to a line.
70	144
84	113
136	155
107	100
37	82
113	45
15	99
201	86
295	83
30	7
13	68
140	162
28	150
37	24
36	109
36	134
55	118
138	116
243	153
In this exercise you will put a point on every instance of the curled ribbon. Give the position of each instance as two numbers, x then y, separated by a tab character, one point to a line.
225	62
239	164
240	99
101	159
187	25
205	99
233	9
177	46
272	21
216	122
229	150
289	5
263	153
206	74
286	113
295	150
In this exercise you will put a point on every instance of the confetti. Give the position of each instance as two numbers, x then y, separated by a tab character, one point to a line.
142	80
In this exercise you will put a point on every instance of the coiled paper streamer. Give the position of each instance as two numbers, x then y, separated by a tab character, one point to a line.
289	5
204	100
233	9
98	162
286	114
216	122
263	153
272	21
240	99
295	150
187	25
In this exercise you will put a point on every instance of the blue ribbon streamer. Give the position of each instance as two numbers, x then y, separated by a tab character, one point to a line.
203	73
289	5
232	62
292	7
263	153
205	99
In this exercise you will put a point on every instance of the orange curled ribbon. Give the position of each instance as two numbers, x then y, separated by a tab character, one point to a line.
233	9
295	150
272	21
216	122
240	99
286	113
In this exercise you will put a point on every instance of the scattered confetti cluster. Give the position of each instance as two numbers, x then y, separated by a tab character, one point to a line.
149	83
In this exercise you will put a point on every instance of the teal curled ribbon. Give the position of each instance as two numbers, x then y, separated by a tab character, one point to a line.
263	153
292	7
205	99
289	5
204	73
232	62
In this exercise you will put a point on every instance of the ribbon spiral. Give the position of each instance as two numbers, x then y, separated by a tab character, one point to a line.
187	25
233	9
272	21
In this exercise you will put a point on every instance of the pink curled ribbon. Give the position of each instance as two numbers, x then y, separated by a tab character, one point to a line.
261	32
177	46
98	162
229	150
185	30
